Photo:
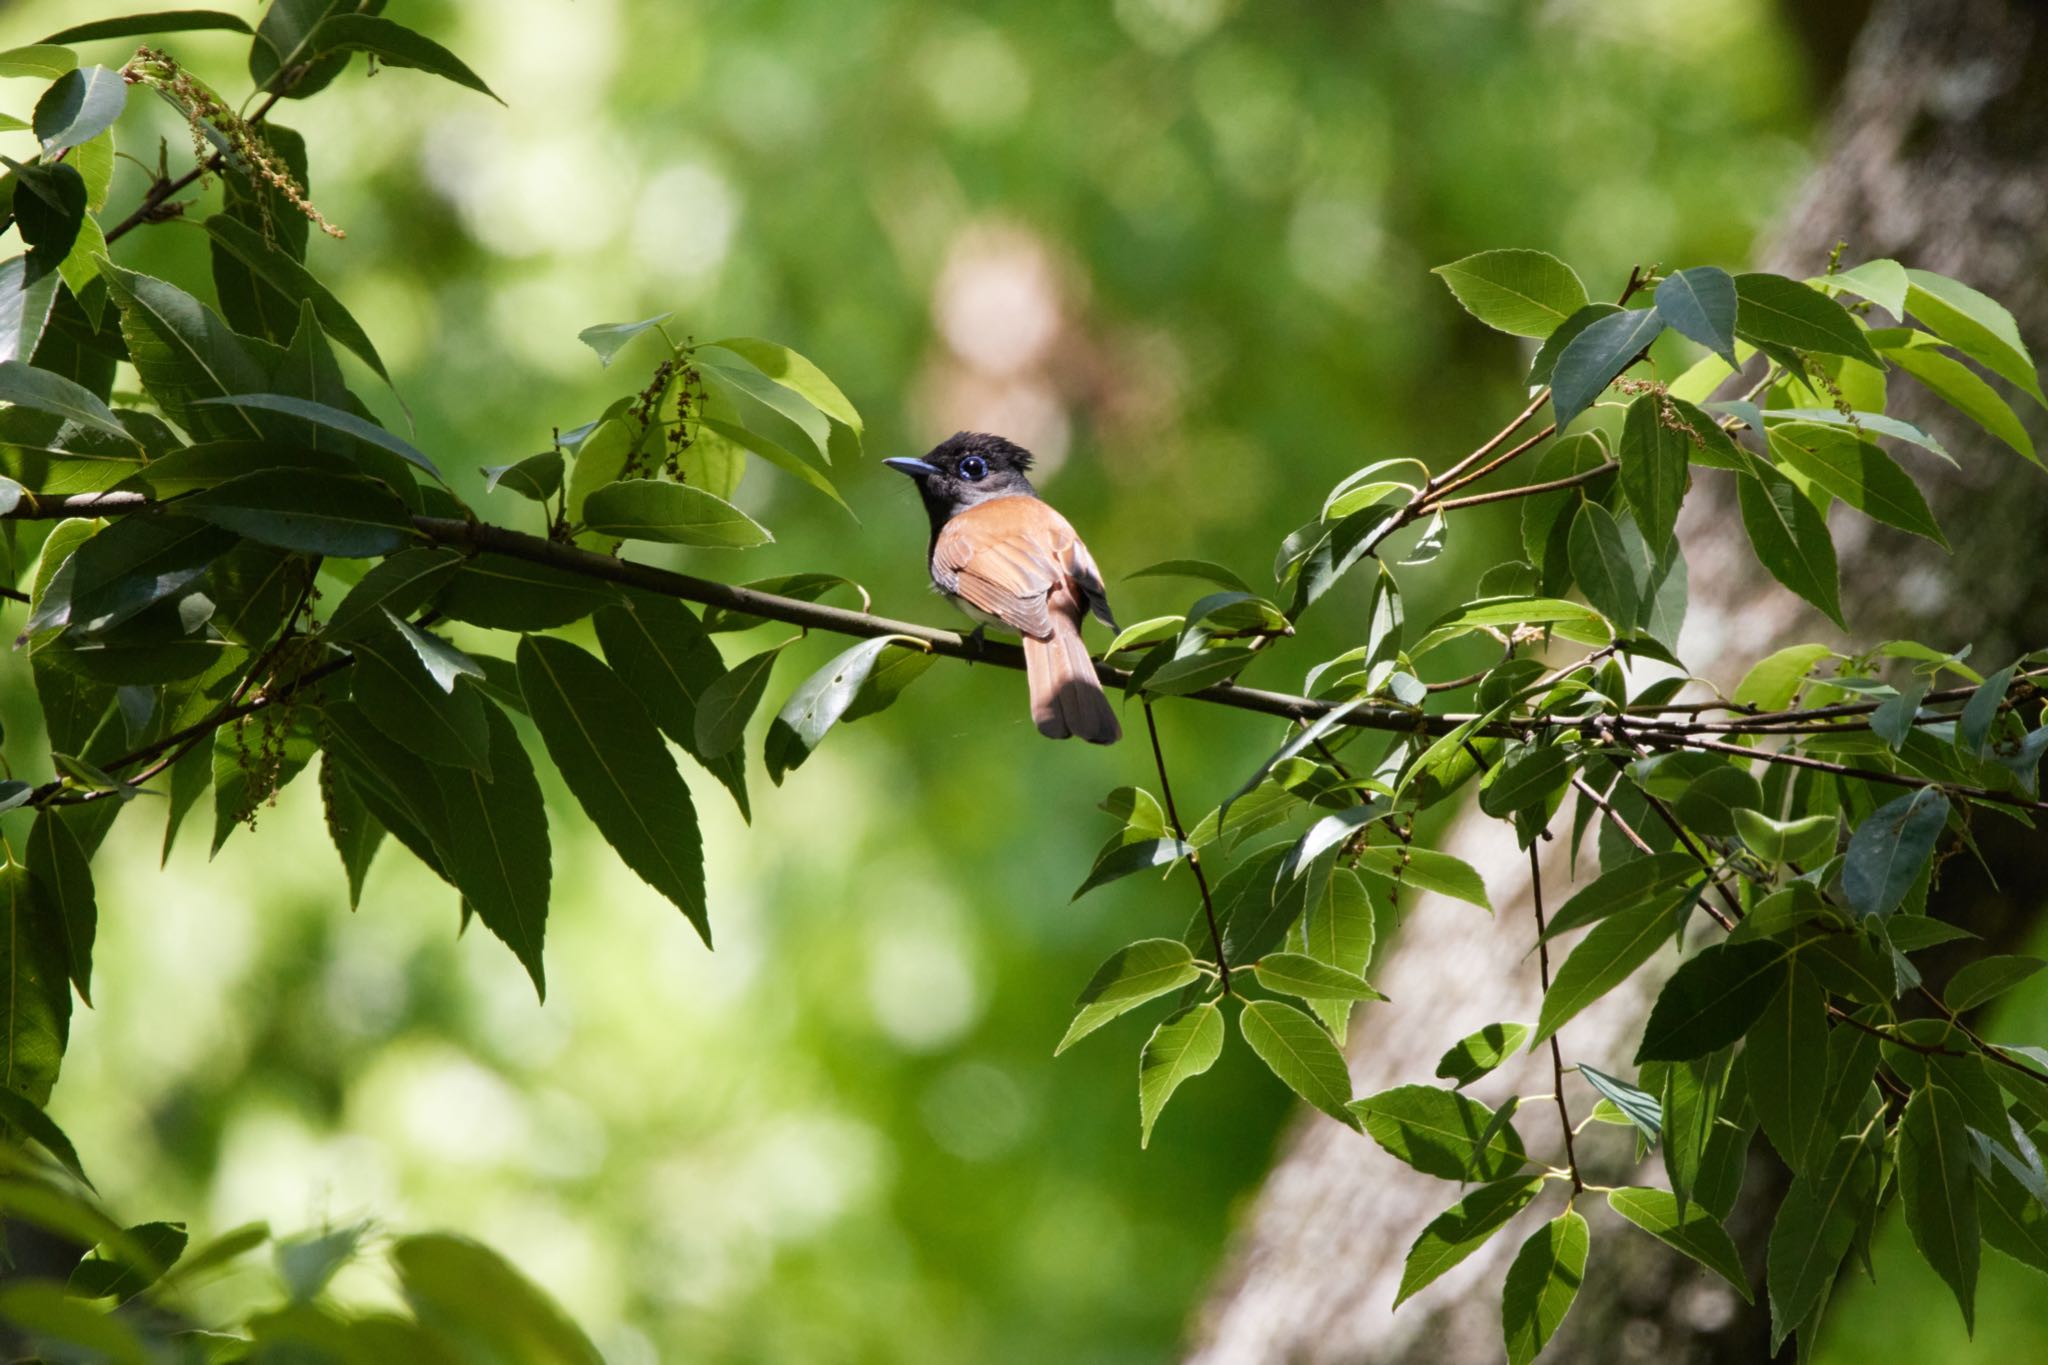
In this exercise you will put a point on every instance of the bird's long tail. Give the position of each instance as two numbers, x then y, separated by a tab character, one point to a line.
1066	698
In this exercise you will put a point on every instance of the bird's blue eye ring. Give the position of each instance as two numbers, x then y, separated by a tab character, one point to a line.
973	468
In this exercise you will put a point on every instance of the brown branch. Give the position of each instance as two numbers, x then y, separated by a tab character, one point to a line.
1527	490
1453	485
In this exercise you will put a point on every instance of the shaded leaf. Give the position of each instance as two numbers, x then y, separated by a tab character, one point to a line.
1441	1133
1889	848
1791	538
613	759
1462	1229
1479	1052
1542	1282
1699	304
1691	1230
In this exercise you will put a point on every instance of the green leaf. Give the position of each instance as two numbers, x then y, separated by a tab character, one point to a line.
1661	880
1777	311
1441	1133
25	306
79	106
1889	848
792	371
1462	1229
60	872
1699	304
1773	680
1477	1053
164	21
1711	1000
1541	1284
613	759
1785	1066
1328	832
28	387
1193	672
1201	569
40	59
320	414
1427	870
1124	860
1857	472
1545	364
27	1118
661	651
1298	1051
1981	710
299	285
392	44
1804	842
1690	1104
1502	612
307	510
184	353
355	832
122	1268
36	1019
771	451
537	477
1881	281
142	559
468	1293
761	402
1606	347
1791	538
1522	293
1654	472
1987	978
1299	974
1131	975
1691	1230
1638	1106
1978	326
1604	959
398	586
497	845
1935	1188
1527	777
503	593
1958	385
671	513
724	707
821	699
50	209
609	338
1185	1045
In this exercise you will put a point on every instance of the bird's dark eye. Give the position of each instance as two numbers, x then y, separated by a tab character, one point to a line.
973	469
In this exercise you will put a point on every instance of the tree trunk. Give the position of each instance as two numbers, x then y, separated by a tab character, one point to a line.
1937	156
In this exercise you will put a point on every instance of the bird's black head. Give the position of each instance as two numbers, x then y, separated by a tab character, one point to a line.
967	468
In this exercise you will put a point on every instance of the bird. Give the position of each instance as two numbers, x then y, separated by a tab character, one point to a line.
1002	555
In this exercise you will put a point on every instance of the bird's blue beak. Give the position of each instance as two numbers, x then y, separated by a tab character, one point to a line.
916	469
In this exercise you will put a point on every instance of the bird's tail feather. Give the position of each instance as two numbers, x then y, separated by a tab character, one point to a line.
1066	698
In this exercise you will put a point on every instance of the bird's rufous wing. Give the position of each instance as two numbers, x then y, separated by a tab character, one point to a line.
1006	557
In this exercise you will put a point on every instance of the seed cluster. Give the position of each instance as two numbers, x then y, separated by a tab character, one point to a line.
219	133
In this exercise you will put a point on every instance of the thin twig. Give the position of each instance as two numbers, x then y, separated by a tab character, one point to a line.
162	191
1526	490
1194	857
1564	1116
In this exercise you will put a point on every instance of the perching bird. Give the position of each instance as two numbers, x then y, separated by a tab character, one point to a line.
1003	556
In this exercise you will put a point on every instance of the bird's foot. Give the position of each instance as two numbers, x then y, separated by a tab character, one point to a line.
978	637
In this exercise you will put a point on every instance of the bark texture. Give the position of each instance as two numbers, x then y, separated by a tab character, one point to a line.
1937	155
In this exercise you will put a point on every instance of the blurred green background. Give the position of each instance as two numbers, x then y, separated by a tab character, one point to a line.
1179	247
